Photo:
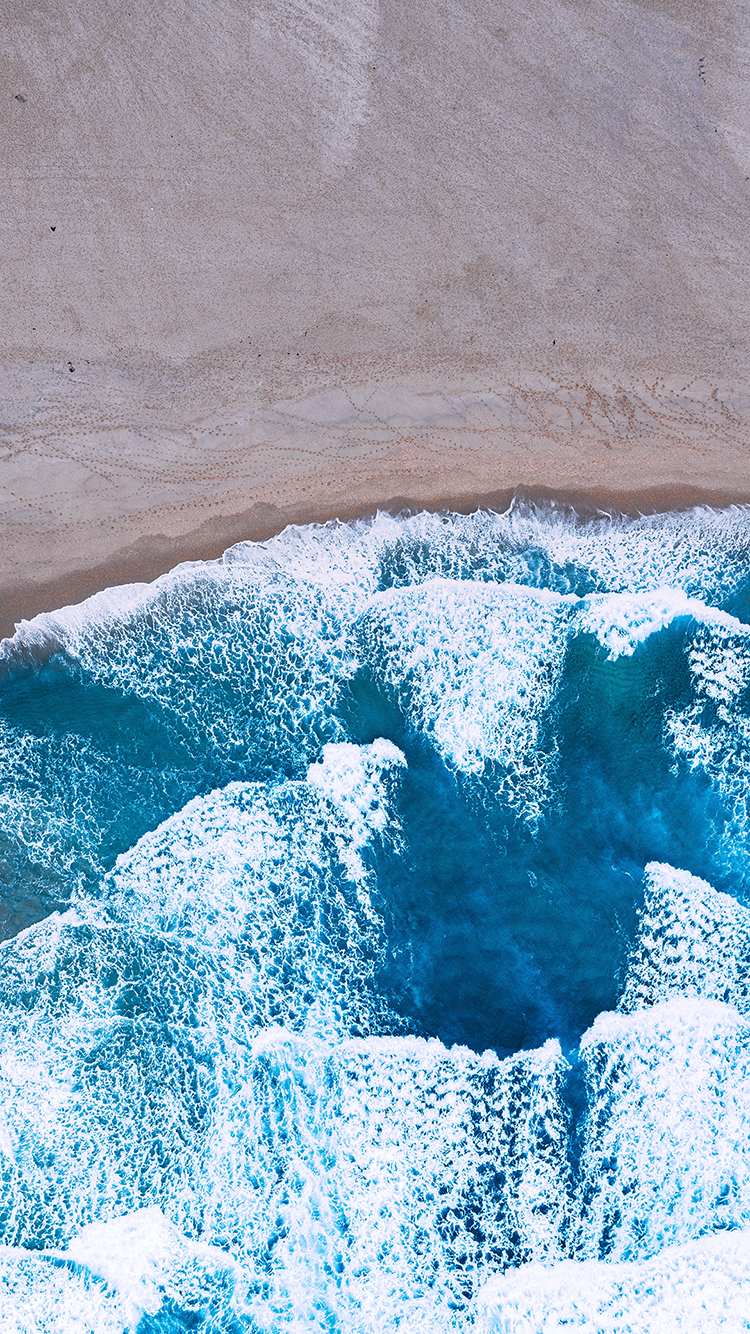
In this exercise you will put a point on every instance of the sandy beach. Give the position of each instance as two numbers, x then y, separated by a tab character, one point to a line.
375	903
295	261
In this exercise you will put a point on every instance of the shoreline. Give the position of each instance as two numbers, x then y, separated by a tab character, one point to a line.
264	266
93	495
151	557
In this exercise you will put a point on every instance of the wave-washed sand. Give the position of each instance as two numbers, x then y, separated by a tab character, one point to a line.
292	260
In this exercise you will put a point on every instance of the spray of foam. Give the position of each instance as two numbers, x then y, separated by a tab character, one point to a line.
271	880
692	941
701	1285
145	1260
712	735
191	1040
121	1019
40	1294
474	666
377	1183
112	1275
353	779
666	1156
622	621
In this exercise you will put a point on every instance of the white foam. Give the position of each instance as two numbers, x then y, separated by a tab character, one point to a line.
143	1258
241	660
703	1286
99	1114
622	621
719	747
702	552
351	777
666	1154
712	735
370	1182
389	1177
476	666
51	632
112	1274
691	941
252	873
40	1295
719	659
246	656
339	556
50	803
237	913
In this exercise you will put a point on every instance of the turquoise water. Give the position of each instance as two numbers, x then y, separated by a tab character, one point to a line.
374	905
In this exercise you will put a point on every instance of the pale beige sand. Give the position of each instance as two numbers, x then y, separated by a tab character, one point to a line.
296	258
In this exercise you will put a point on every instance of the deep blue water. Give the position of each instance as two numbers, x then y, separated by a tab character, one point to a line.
279	831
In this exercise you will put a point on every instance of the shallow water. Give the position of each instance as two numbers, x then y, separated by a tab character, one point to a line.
324	873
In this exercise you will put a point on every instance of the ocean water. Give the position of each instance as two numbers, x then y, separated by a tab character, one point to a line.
376	938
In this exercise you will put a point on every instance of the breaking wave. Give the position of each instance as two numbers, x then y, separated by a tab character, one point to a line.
376	940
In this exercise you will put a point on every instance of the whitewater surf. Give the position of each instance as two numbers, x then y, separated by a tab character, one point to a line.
377	945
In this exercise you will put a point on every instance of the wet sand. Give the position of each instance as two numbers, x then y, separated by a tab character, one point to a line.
295	261
346	455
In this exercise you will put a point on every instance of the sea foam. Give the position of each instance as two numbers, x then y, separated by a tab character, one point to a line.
703	1285
666	1156
474	666
221	791
692	941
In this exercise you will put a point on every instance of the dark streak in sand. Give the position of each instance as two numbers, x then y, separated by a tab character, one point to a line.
150	557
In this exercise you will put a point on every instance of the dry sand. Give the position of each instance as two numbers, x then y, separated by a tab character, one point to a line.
287	259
